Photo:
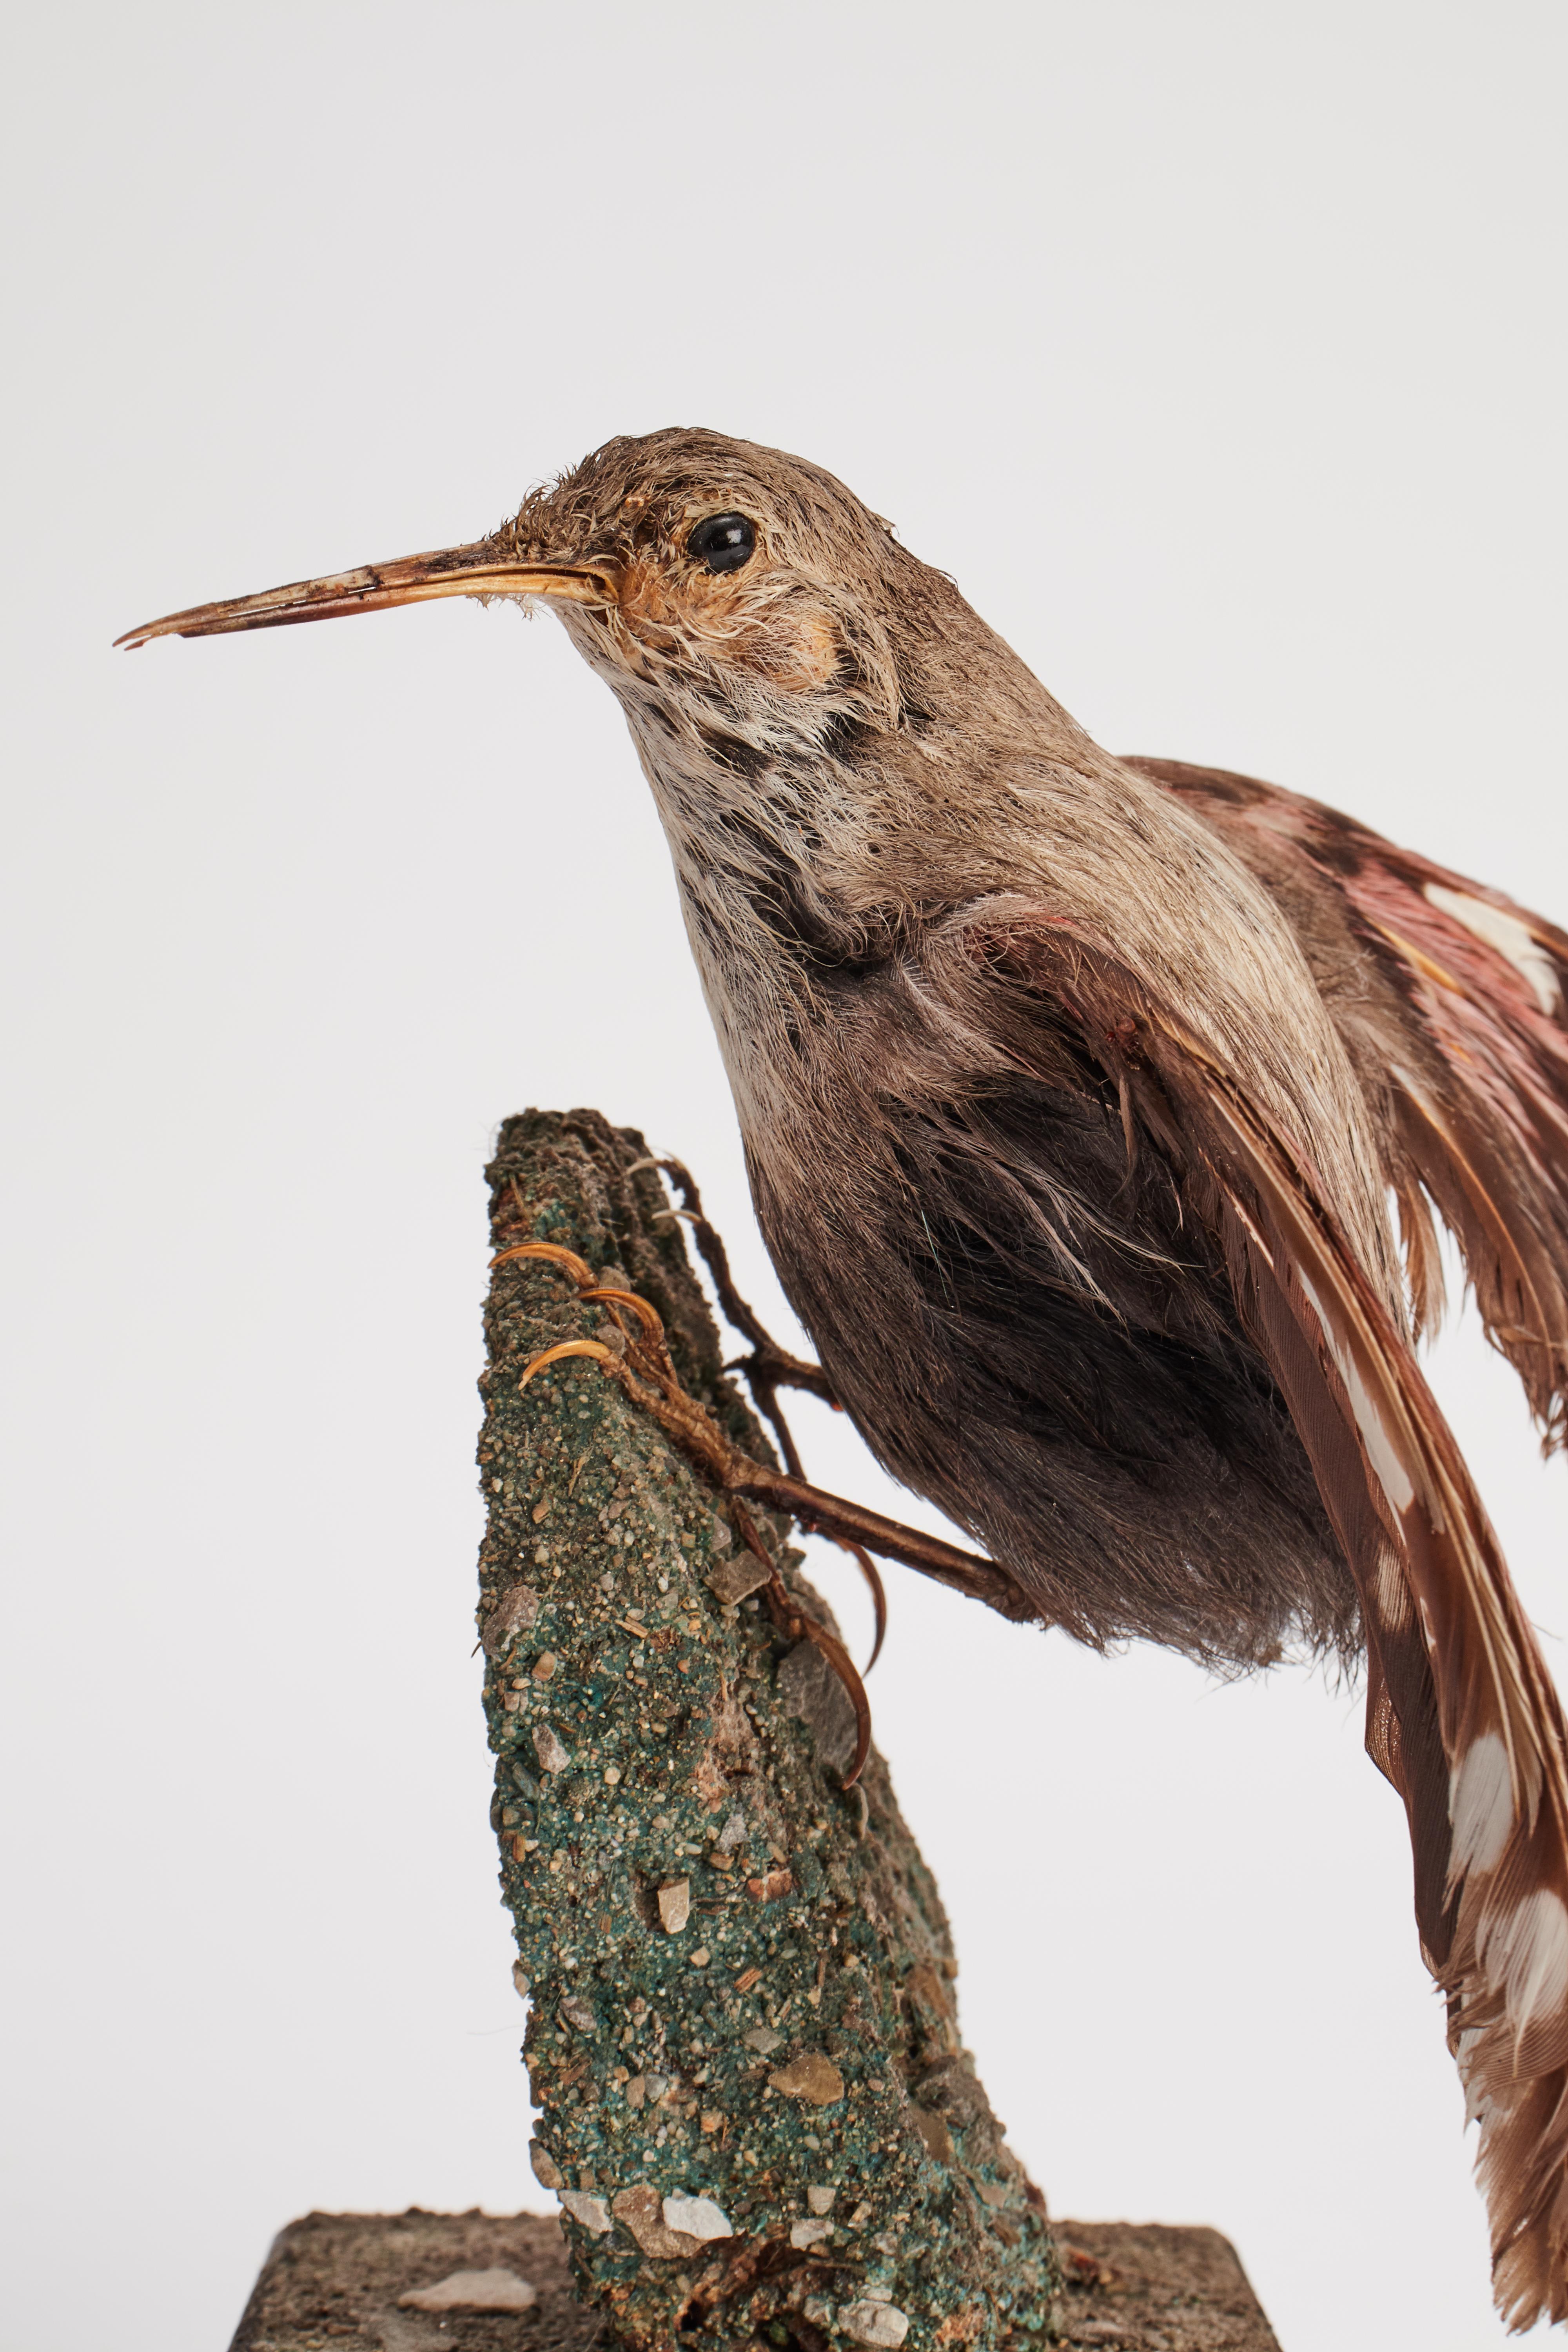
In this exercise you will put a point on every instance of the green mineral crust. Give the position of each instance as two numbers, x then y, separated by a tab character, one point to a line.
743	2037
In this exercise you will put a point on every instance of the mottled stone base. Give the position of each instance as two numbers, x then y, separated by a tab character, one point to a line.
333	2281
754	2101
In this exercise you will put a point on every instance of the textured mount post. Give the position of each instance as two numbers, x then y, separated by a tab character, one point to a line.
743	2036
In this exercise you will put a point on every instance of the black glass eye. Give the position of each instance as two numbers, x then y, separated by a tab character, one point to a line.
723	543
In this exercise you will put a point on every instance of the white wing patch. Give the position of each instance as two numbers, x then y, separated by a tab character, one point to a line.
1480	1807
1381	1450
1512	939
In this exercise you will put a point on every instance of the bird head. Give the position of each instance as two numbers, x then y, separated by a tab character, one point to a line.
820	715
741	591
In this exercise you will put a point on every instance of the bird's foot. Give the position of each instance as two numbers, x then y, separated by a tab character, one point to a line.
641	1367
769	1367
639	1363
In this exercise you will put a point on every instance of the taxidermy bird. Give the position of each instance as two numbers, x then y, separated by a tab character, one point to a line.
1075	1090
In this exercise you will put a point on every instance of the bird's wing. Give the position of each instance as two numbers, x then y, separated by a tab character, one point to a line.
1453	1003
1462	1714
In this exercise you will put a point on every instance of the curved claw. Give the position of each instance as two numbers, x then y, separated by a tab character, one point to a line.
582	1273
594	1348
843	1666
792	1620
872	1575
652	1322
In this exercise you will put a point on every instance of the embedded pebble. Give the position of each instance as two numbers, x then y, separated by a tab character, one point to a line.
519	1978
821	2200
553	1756
493	2290
881	2324
806	2233
808	1687
640	2210
736	1579
514	1614
762	2040
811	2077
580	2013
590	2211
675	1905
773	1888
546	2171
697	2217
733	1834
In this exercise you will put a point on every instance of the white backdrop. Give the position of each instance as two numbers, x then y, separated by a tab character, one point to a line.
1217	350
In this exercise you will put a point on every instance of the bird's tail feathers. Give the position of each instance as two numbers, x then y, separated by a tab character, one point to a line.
1462	1714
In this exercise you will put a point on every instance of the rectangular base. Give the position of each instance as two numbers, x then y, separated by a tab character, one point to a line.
333	2281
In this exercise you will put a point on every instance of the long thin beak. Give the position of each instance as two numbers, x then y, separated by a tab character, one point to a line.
478	570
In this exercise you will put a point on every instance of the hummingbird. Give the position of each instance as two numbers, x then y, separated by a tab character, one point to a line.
1099	1114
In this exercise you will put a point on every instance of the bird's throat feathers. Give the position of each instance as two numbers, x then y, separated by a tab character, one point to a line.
831	874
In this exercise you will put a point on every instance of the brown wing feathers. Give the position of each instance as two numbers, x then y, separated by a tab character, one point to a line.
1452	1003
1462	1714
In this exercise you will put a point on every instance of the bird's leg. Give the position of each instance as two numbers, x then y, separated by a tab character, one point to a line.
641	1367
769	1367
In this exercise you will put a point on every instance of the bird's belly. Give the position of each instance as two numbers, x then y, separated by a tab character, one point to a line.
1034	1337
